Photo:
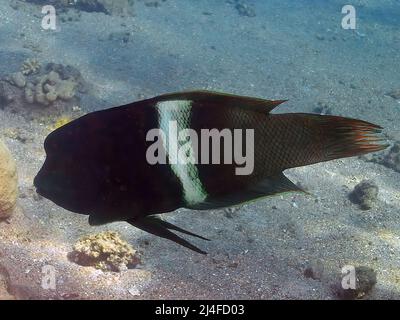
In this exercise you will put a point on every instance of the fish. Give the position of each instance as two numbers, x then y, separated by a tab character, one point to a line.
99	165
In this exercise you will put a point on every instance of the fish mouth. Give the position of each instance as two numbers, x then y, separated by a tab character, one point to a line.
40	182
37	185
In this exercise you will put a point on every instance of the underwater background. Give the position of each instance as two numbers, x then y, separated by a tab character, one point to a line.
108	53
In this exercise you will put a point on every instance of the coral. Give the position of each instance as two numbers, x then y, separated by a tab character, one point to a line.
30	66
365	194
69	73
8	182
59	82
50	87
18	79
105	251
54	83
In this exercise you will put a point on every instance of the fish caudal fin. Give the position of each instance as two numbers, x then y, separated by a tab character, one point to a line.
317	138
160	228
345	137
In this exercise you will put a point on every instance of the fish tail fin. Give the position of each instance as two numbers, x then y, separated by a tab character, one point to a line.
312	138
345	137
160	228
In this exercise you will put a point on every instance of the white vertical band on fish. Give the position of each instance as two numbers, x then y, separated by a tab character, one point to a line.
174	116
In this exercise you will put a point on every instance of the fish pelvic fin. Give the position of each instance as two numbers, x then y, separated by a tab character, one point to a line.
156	226
219	98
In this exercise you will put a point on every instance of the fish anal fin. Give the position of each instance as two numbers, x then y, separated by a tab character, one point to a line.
157	227
277	184
219	98
170	226
267	187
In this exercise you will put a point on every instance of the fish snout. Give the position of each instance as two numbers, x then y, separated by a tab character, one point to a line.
38	184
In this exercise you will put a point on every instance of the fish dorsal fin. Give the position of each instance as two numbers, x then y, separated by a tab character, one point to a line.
219	98
267	187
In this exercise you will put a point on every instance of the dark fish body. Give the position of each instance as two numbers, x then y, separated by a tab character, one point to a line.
97	164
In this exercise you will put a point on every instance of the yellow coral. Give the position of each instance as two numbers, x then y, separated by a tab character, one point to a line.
105	251
60	122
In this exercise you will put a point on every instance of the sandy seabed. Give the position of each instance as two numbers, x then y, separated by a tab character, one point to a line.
261	250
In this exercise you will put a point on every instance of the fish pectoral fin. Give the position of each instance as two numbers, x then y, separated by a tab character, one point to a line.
158	227
267	187
219	98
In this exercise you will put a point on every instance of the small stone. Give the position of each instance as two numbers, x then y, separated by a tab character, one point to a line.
322	108
365	194
134	291
245	10
314	270
392	159
230	212
395	94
